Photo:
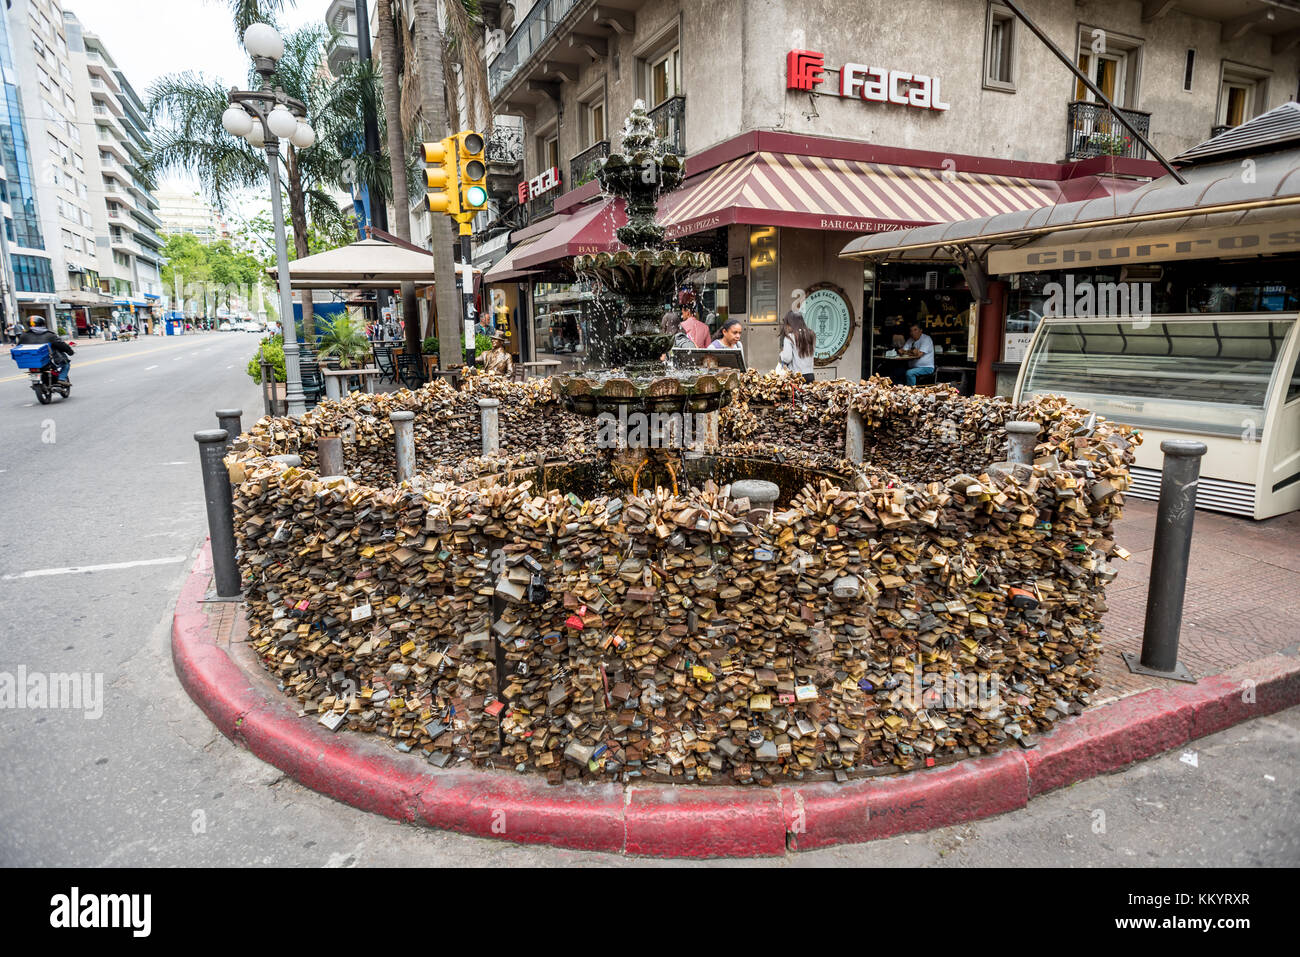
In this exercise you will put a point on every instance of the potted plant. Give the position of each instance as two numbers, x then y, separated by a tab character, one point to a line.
346	342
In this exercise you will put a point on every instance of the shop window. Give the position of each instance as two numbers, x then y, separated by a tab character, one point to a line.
1000	49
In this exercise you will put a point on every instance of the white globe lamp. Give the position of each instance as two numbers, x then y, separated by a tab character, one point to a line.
236	121
283	123
261	40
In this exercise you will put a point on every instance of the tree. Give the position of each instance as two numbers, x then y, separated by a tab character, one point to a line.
397	156
193	139
210	273
428	48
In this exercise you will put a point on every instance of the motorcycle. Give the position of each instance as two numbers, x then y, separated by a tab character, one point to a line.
46	384
42	373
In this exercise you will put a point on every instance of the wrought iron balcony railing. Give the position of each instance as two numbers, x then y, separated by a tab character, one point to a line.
1091	130
538	24
669	118
582	168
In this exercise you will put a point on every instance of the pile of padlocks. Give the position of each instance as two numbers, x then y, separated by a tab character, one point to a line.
909	611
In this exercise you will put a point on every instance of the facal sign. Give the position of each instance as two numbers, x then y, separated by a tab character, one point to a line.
543	183
806	70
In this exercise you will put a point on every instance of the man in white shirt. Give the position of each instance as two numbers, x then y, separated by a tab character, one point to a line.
924	363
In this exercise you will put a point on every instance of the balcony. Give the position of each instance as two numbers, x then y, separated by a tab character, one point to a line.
1091	131
669	118
582	168
536	27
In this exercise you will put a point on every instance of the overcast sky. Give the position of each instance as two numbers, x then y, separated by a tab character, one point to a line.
151	38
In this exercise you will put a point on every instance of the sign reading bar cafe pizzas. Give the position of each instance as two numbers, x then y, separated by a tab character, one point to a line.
827	312
806	70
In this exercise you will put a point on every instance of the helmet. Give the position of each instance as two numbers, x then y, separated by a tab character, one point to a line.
37	321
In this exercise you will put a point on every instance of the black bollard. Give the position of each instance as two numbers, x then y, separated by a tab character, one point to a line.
1173	546
232	421
221	511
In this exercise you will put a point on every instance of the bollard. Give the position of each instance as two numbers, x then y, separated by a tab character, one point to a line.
268	387
404	436
221	511
329	455
1022	438
762	495
231	421
1173	545
333	387
490	425
855	437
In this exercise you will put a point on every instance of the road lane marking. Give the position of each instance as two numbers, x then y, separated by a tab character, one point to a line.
81	364
76	569
174	463
147	368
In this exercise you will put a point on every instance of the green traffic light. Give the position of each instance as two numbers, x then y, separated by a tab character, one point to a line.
476	196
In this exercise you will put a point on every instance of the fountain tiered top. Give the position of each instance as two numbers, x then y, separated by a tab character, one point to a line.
643	276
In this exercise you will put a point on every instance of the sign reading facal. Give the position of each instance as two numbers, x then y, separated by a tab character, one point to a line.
806	70
542	183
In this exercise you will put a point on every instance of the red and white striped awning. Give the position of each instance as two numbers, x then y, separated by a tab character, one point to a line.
812	192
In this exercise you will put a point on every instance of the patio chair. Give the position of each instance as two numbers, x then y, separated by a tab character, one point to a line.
313	383
409	371
384	362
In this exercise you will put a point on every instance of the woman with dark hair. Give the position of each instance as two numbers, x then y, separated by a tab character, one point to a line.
798	343
728	335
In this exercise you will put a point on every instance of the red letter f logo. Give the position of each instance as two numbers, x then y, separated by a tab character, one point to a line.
803	69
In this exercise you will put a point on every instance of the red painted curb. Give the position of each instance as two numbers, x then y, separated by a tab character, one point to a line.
677	821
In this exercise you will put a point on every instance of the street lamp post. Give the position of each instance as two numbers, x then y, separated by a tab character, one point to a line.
264	117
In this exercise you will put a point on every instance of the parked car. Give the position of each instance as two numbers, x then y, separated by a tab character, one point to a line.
224	327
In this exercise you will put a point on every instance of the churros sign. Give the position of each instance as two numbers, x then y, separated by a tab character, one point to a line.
805	70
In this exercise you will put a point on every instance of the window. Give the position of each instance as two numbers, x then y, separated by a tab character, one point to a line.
1242	94
999	49
78	162
43	78
665	76
595	122
1112	62
550	152
67	239
53	142
1187	71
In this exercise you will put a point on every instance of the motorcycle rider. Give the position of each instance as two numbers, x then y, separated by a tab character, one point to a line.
60	352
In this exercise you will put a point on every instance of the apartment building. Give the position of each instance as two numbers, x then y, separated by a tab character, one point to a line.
807	124
188	213
27	272
58	140
126	219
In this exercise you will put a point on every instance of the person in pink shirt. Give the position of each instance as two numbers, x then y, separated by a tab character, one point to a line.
696	331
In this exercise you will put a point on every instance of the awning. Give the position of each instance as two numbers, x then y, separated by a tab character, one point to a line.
590	229
370	263
507	268
812	192
1155	214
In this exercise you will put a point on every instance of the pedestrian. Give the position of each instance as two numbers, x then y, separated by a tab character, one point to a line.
920	350
696	330
798	343
112	328
728	336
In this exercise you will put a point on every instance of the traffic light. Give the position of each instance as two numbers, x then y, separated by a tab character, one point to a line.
472	174
441	160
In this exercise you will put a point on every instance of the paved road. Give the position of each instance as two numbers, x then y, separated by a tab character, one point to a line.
151	782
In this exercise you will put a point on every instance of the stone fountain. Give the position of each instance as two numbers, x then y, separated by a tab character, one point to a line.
644	277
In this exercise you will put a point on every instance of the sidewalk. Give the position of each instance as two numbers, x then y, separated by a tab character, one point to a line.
1239	637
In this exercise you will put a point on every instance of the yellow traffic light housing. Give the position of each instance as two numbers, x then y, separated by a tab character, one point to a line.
440	176
471	174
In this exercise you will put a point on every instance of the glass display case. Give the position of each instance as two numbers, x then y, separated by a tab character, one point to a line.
1232	381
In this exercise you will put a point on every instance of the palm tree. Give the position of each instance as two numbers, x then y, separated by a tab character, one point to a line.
192	138
397	152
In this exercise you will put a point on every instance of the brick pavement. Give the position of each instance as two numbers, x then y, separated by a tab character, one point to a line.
1243	595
